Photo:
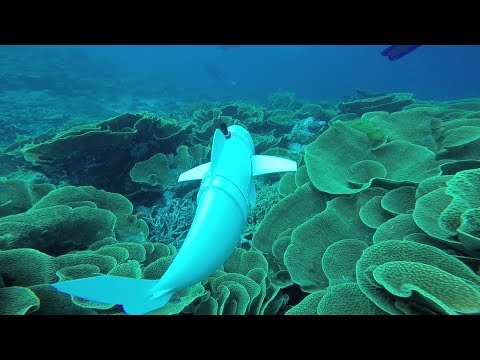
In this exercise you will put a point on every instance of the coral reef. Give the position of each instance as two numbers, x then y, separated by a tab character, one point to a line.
381	217
388	102
169	224
240	287
389	239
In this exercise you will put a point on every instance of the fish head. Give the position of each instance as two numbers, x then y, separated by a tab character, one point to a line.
243	134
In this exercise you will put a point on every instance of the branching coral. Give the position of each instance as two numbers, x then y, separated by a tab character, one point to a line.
267	197
169	224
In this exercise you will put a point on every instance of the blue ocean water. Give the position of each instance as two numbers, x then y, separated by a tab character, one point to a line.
313	72
321	72
61	83
366	200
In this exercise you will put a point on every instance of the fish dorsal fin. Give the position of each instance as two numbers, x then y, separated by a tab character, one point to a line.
217	148
196	173
265	164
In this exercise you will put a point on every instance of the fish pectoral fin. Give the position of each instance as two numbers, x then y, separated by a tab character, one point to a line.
195	173
265	164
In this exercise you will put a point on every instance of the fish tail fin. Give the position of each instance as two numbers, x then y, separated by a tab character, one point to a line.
135	295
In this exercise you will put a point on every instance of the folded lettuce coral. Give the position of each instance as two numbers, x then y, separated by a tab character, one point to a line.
447	213
17	196
342	161
18	300
56	229
241	286
83	154
438	289
127	225
436	281
415	209
153	174
310	240
346	299
289	213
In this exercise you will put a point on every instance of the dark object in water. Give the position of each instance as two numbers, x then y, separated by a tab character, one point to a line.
224	129
395	52
223	48
215	72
